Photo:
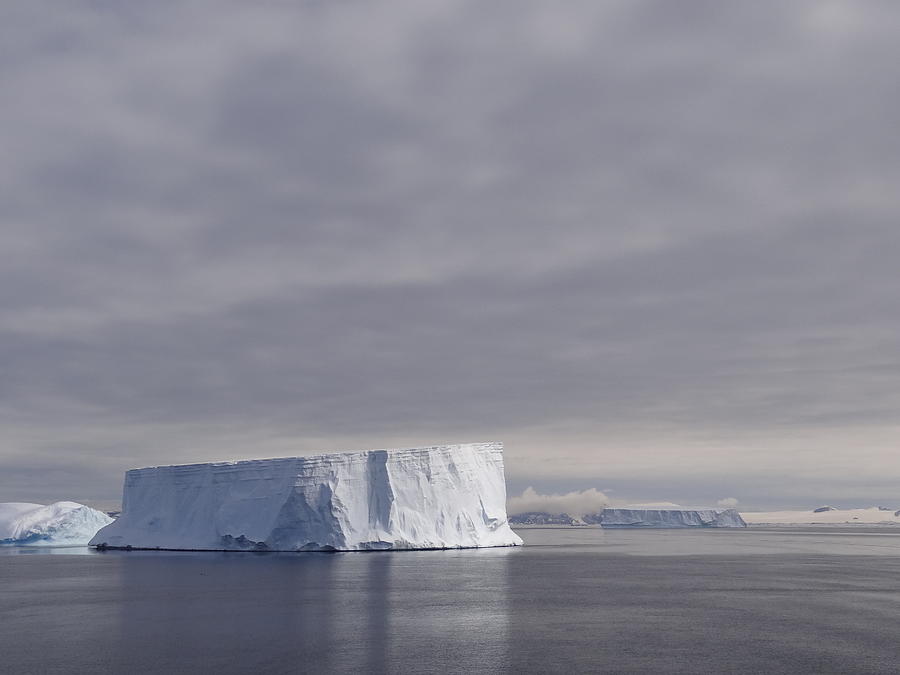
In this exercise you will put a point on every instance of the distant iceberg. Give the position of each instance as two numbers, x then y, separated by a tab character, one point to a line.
669	516
58	524
451	496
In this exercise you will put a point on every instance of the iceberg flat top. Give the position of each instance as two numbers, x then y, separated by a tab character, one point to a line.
441	496
350	455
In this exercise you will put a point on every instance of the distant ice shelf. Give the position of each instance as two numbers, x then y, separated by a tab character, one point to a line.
669	517
57	524
449	496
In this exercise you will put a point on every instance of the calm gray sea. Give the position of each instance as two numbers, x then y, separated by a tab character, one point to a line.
789	600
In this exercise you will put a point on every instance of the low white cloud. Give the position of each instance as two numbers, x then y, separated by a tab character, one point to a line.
577	503
728	502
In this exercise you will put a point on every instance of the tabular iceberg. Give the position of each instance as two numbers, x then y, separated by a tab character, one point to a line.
670	517
451	496
59	524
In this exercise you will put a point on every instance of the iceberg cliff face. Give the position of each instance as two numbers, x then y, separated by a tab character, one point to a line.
670	517
57	524
451	496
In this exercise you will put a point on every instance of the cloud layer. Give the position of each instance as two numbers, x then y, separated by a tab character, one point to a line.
636	242
575	504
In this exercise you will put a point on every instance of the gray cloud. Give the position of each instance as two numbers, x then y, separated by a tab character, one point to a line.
577	504
646	244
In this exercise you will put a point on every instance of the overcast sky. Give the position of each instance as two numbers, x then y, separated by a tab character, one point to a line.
651	246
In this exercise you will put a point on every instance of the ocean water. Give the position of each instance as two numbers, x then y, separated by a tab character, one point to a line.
792	600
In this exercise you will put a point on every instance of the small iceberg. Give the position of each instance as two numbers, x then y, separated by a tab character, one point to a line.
57	524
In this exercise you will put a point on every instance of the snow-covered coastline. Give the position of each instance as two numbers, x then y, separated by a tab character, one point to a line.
830	516
451	496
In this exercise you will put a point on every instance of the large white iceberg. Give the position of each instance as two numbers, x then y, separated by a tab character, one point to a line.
450	496
59	524
670	517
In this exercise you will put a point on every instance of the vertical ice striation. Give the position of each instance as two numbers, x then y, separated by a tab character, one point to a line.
450	496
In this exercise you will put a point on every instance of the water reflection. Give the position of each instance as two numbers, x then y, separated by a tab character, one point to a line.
570	601
55	610
344	612
46	550
207	611
451	608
